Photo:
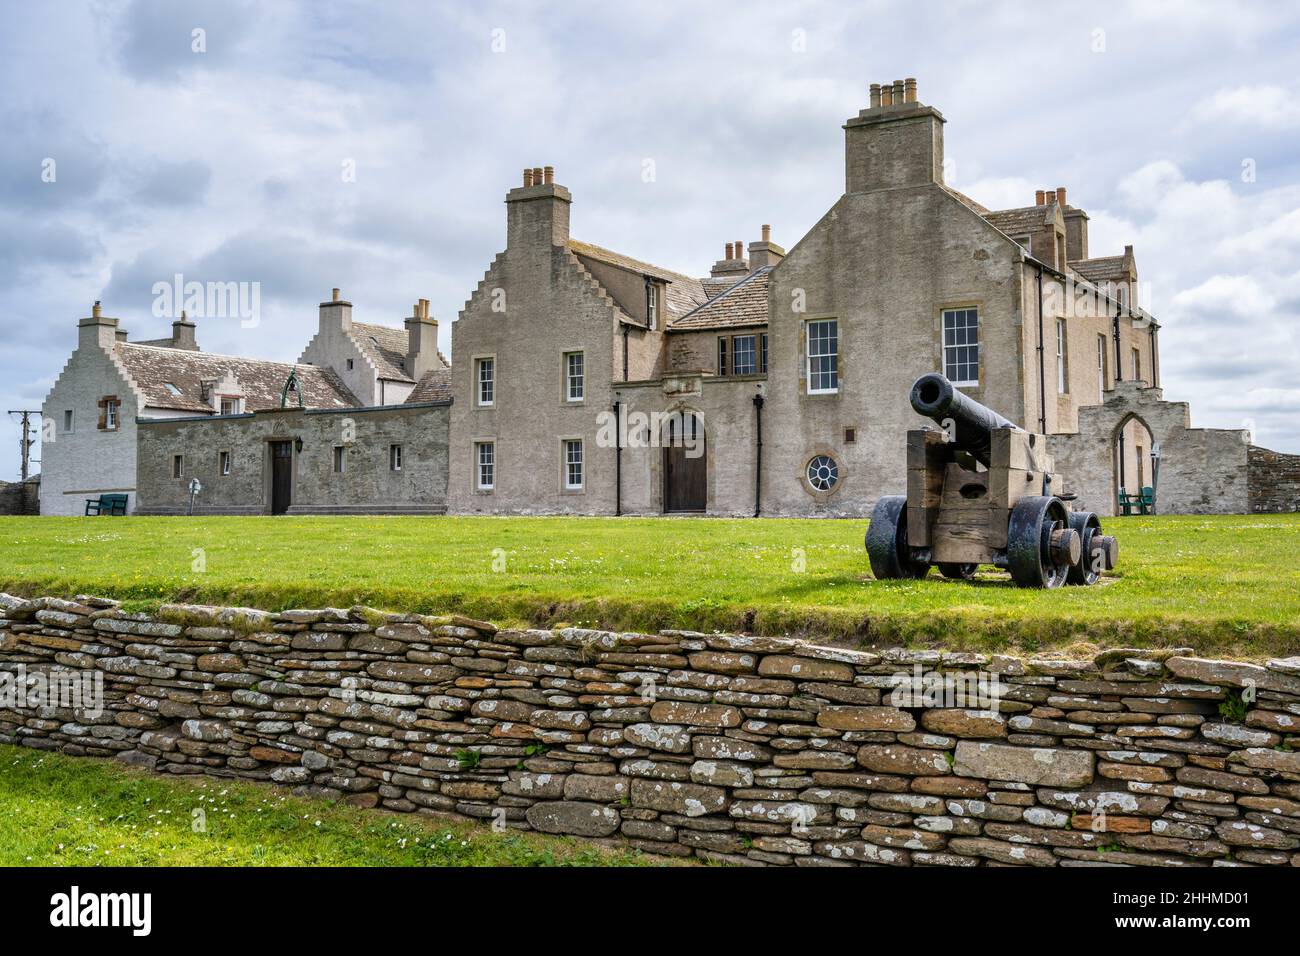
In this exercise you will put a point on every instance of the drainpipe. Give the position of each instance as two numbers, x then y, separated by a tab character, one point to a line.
1042	375
618	456
758	454
625	331
1119	359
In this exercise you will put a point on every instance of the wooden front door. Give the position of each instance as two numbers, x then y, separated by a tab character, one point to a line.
281	476
685	465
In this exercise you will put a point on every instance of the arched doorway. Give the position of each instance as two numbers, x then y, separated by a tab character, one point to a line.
685	450
1135	460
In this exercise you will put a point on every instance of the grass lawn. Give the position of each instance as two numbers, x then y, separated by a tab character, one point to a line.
80	811
1222	584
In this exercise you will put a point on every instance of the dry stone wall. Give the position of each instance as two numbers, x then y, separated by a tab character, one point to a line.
742	749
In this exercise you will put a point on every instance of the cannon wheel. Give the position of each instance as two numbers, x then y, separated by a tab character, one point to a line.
1029	541
958	572
1087	570
887	541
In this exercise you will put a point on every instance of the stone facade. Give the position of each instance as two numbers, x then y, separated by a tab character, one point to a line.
231	458
730	748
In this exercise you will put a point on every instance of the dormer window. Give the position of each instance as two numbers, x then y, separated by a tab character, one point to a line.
231	405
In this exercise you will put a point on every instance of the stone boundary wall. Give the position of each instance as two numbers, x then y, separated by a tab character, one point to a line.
741	749
20	497
1273	480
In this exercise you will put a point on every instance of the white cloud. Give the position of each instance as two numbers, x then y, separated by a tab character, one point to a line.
1271	107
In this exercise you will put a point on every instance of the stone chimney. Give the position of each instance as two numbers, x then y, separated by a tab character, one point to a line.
421	341
732	262
766	252
896	141
97	331
336	313
183	334
1076	228
538	211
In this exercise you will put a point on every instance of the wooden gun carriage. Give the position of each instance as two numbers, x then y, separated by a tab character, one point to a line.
980	491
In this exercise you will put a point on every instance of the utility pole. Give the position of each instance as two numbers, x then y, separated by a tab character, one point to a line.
25	443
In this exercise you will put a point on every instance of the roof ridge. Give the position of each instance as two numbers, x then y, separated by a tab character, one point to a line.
218	355
762	270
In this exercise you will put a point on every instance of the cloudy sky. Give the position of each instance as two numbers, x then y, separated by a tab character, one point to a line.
369	145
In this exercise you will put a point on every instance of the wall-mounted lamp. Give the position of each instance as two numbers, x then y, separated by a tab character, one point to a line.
297	445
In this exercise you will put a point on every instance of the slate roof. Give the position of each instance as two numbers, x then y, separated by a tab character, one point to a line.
1020	222
433	386
683	292
153	368
386	347
1101	268
744	304
713	285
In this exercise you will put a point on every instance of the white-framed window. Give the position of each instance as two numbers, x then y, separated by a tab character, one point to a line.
652	304
574	376
340	457
823	356
223	461
67	421
961	346
110	413
573	474
485	462
231	405
823	472
178	466
1062	377
1101	368
394	457
744	355
485	371
1137	365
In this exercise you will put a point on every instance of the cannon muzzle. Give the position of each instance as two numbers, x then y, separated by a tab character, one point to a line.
972	423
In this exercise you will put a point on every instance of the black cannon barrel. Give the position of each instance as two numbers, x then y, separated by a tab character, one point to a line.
936	398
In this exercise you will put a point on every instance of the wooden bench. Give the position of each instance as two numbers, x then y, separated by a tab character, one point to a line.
106	505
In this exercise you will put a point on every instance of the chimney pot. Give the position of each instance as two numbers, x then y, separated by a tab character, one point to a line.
730	251
334	295
875	95
767	233
886	95
548	174
528	177
740	249
96	310
909	90
1060	196
537	175
898	92
1040	197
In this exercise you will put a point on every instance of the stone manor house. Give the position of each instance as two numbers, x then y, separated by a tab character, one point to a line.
587	381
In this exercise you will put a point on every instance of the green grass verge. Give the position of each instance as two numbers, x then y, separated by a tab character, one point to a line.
81	811
1221	584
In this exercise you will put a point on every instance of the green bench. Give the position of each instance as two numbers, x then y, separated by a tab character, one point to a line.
1143	503
106	505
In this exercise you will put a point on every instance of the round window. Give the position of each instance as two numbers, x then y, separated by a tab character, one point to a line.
823	473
